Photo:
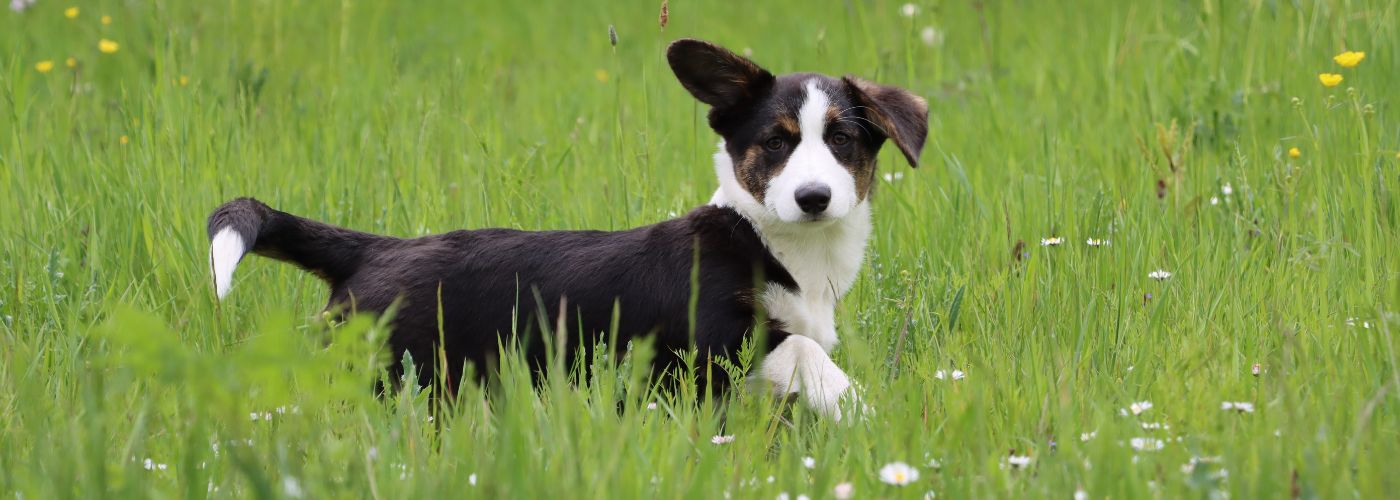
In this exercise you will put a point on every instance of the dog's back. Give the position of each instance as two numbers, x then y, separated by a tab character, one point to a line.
499	285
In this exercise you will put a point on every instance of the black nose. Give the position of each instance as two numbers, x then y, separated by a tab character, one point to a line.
813	198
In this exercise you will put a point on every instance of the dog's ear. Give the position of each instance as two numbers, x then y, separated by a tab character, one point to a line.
900	115
715	75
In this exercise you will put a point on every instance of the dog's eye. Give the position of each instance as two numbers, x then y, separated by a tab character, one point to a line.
775	143
840	139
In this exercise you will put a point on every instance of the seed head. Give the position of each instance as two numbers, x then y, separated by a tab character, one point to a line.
612	35
664	17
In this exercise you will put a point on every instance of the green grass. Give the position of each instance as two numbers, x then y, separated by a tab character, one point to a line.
412	117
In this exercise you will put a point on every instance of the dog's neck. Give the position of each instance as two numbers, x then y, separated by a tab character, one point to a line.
824	260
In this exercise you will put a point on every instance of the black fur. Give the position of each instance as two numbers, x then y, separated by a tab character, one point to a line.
489	279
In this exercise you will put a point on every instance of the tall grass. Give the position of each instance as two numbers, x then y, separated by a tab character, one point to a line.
120	375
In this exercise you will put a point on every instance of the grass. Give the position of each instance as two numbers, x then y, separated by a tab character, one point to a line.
1102	119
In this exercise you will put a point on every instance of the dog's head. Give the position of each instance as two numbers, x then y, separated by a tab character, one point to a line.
797	148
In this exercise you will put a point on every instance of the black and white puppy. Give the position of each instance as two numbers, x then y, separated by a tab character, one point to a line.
785	234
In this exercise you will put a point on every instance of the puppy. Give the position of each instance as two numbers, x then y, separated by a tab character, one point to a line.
784	235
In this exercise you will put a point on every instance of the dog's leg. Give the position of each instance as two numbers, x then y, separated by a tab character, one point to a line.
799	365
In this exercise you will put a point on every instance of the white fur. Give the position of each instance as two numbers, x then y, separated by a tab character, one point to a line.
812	163
823	256
800	365
225	250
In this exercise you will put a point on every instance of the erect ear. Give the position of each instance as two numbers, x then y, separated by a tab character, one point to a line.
715	75
901	116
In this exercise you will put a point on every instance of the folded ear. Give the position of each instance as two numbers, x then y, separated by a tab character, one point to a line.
715	75
901	116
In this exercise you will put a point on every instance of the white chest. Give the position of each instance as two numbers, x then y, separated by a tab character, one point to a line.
824	262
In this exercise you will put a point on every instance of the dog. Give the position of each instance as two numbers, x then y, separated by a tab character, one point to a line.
783	238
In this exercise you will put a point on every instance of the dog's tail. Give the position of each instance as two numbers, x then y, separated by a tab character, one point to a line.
246	224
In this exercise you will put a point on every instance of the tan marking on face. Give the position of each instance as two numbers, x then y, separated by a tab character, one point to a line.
750	173
789	124
863	171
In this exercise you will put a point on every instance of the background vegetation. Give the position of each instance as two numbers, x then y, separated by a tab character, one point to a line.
1163	127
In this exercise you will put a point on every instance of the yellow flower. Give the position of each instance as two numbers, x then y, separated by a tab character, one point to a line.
1329	79
71	12
108	47
601	75
123	140
1349	59
184	80
106	19
1294	152
71	62
43	66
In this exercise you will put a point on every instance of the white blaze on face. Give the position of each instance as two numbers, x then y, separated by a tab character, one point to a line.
812	163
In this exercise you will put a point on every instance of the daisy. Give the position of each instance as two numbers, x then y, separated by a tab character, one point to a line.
898	474
1215	200
956	375
1159	275
844	491
1242	407
1080	494
1227	189
722	439
909	10
1139	407
931	36
1146	444
153	465
809	462
1086	436
472	479
1052	241
1018	461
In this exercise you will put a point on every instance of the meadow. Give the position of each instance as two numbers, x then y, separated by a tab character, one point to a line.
1150	252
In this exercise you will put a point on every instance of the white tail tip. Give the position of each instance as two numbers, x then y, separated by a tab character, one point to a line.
225	250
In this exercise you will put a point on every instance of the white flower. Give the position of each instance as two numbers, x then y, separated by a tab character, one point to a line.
1080	494
931	36
898	474
651	406
1159	275
1152	426
1052	241
1085	437
291	487
1096	242
1256	369
20	5
1227	189
472	479
932	462
722	439
784	496
771	479
803	497
1215	200
894	176
1140	406
748	52
264	416
152	465
956	375
809	462
930	495
1146	443
1018	461
1242	407
844	491
909	10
